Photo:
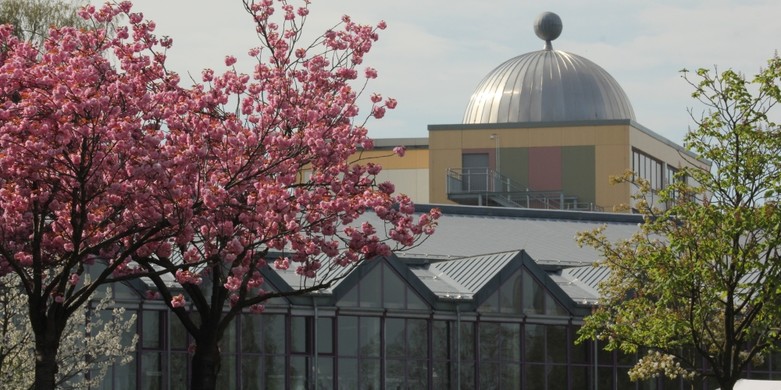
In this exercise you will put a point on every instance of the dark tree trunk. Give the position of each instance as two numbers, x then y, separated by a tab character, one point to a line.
205	365
46	346
727	383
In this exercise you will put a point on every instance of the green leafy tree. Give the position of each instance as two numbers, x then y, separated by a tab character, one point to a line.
698	287
32	18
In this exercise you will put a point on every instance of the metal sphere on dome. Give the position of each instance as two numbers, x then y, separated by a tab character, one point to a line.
548	27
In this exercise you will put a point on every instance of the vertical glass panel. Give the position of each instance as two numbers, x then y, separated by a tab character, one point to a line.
125	376
580	352
417	338
370	288
441	377
467	341
370	374
557	377
394	374
394	290
122	292
440	342
325	335
370	337
250	372
107	381
467	375
299	369
274	371
490	305
151	371
535	343
581	377
348	336
348	374
274	334
626	359
350	299
414	302
775	361
151	336
623	382
533	296
324	376
604	357
535	376
651	385
667	383
511	342
557	344
178	333
251	333
299	334
490	342
605	378
227	375
510	295
394	338
228	342
489	375
511	376
553	307
417	374
178	373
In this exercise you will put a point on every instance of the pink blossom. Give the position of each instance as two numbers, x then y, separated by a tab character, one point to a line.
378	112
230	60
391	103
400	151
177	301
370	73
386	187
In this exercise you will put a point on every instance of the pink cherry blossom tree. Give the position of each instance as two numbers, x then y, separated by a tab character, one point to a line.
83	174
265	164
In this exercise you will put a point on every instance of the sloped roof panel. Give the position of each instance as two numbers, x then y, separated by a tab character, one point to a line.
474	272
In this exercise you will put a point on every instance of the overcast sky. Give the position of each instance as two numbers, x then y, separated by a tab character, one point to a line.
435	52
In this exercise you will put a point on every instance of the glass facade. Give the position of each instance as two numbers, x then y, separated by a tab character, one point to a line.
648	168
384	334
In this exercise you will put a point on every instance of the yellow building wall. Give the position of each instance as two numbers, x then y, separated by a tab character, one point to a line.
410	174
611	142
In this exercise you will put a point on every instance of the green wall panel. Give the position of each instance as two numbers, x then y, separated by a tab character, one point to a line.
515	165
578	176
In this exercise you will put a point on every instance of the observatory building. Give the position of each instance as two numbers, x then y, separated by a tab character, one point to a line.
546	129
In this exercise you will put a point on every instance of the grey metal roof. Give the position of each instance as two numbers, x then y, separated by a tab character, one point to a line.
440	284
582	282
473	272
547	85
547	236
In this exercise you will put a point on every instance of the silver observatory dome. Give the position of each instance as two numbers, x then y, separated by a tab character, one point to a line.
547	86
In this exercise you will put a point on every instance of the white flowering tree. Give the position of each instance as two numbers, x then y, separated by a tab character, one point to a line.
92	342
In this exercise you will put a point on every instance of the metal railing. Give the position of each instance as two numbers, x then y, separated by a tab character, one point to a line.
488	186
